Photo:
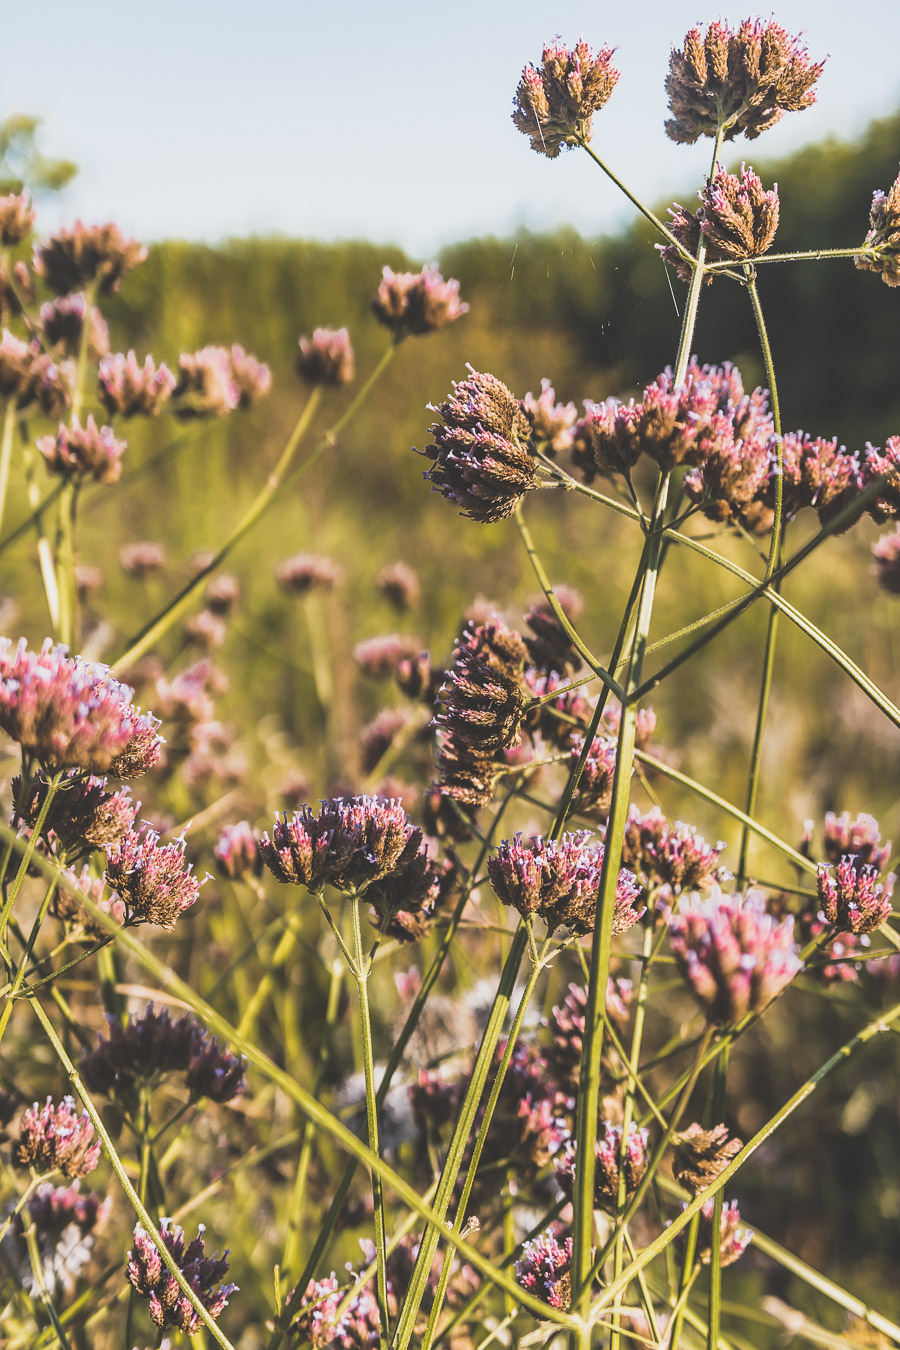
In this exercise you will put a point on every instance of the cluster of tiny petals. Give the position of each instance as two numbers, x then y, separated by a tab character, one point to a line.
851	897
554	103
326	358
150	1047
53	1138
886	552
738	219
607	1159
134	390
206	385
29	376
883	240
860	836
552	422
701	1155
252	377
16	218
733	1239
152	878
237	852
415	303
305	571
151	1278
593	796
321	1324
669	856
76	258
734	954
559	882
738	81
544	1269
81	452
85	814
351	843
481	451
62	322
71	714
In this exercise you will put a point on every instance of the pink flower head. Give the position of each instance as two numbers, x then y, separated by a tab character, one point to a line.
152	877
305	571
544	1269
886	552
737	219
414	303
73	259
27	376
16	218
81	452
559	881
142	558
252	378
552	422
379	657
607	1157
70	714
53	1138
861	837
733	1240
399	585
237	852
327	358
593	796
132	390
206	386
555	102
151	1278
851	898
668	857
320	1322
882	243
63	320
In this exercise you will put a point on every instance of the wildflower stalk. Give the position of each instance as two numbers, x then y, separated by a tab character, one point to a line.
645	211
715	1251
803	255
20	1204
25	525
145	1138
27	854
44	551
65	561
276	963
6	445
37	1271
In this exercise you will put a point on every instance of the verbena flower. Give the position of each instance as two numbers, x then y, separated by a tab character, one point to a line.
544	1268
672	857
556	719
738	219
167	1305
379	657
321	1325
549	645
555	102
146	1049
152	877
237	852
326	358
16	218
84	814
378	735
252	378
567	1025
551	422
304	571
403	903
70	714
206	385
482	449
132	390
65	1222
27	376
851	897
701	1155
399	585
62	321
481	702
415	303
593	796
66	906
860	836
73	259
733	1240
883	238
734	954
740	81
53	1138
80	452
886	552
607	1157
559	882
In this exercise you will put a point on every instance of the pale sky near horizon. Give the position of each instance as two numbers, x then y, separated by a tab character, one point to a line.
203	119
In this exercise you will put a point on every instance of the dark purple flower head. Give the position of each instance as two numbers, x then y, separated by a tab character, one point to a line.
303	572
549	645
544	1269
62	321
167	1305
481	703
551	422
80	452
237	852
152	877
71	714
742	81
482	449
415	303
84	814
606	439
222	595
886	552
206	384
559	881
873	465
399	585
132	390
733	953
607	1156
326	358
567	1025
555	102
852	899
737	219
16	218
883	239
404	903
379	657
149	1048
54	1139
74	259
214	1072
668	856
700	1155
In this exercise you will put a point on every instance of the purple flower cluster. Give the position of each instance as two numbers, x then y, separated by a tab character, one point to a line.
668	858
237	852
54	1139
734	954
28	376
76	258
84	814
415	303
321	1325
883	240
303	572
326	358
559	882
544	1269
132	390
151	1047
62	322
551	422
593	797
886	552
851	897
81	452
733	1240
16	218
549	645
152	1280
70	714
555	102
607	1159
151	877
737	219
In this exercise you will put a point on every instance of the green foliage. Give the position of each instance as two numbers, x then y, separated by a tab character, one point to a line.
22	164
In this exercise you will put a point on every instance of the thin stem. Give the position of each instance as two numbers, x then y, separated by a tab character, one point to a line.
44	551
279	959
6	444
715	1257
645	211
804	255
32	518
27	855
65	562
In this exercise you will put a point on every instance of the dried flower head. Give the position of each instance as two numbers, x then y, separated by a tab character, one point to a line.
304	571
554	103
237	852
206	384
743	81
403	903
80	452
882	243
62	321
607	1157
886	552
415	303
481	703
252	378
482	449
86	254
84	814
551	422
700	1155
399	585
544	1269
734	954
54	1139
559	882
152	877
672	857
70	714
851	898
132	390
326	358
16	218
737	220
151	1278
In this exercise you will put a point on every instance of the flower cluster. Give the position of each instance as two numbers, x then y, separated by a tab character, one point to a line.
206	385
555	102
151	877
882	243
559	882
151	1278
701	1155
399	585
65	1222
326	358
886	552
544	1269
668	858
83	815
851	898
737	220
237	852
415	303
551	422
28	376
320	1324
567	1026
70	714
16	218
54	1139
86	255
62	323
549	645
734	954
132	390
151	1047
80	452
733	1240
304	572
482	449
607	1160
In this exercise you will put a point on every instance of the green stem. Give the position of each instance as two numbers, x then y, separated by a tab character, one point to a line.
6	444
65	562
644	210
44	550
27	855
20	1204
280	957
32	518
146	1144
717	1113
805	255
36	1261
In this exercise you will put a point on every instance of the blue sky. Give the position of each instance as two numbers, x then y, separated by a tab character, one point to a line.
388	120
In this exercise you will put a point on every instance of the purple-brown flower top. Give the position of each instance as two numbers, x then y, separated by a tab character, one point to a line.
252	378
54	1139
214	1072
701	1155
132	390
237	852
352	842
16	218
886	552
481	451
645	728
593	796
54	1208
875	463
671	858
555	102
544	1269
206	384
80	452
481	702
223	594
400	586
206	630
567	1026
404	902
607	1156
415	303
852	898
551	422
549	645
883	238
326	358
320	1323
378	735
559	882
733	1240
738	219
71	714
84	815
188	698
861	837
378	657
555	719
67	906
74	259
734	954
27	376
62	321
146	1049
304	571
740	81
152	877
167	1305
